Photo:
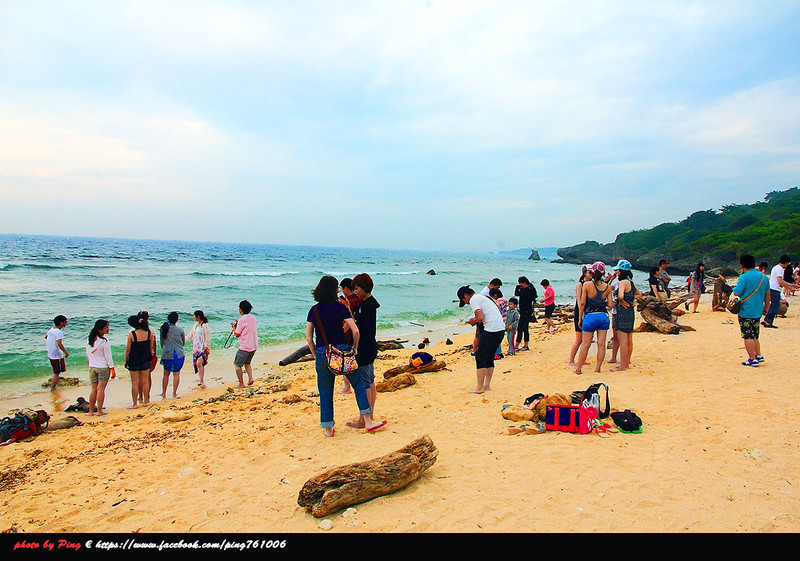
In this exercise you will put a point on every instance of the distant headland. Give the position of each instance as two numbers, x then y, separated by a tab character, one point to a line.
715	237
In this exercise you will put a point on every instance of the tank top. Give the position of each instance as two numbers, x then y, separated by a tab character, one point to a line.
140	350
596	303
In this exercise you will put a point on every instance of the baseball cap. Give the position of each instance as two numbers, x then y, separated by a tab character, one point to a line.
598	266
623	265
463	291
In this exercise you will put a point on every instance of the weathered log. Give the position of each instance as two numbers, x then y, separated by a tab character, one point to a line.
663	325
356	483
411	369
299	353
644	327
396	383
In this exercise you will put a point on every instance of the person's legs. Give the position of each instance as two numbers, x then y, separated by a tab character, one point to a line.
325	382
601	348
523	333
164	383
622	341
615	345
100	396
774	306
135	388
176	380
586	342
92	399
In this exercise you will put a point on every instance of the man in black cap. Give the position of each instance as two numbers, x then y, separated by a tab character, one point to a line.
491	331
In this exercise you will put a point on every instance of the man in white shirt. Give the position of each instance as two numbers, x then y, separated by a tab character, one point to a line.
54	343
491	331
776	284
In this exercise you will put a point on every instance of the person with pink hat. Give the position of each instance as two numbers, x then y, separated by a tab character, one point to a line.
594	305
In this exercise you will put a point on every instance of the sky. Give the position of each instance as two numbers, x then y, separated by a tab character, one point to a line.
415	124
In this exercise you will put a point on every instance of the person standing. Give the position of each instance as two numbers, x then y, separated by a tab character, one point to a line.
549	306
526	294
140	348
366	318
246	330
200	335
512	320
586	276
664	277
173	339
324	326
753	291
487	314
101	365
350	299
624	316
697	285
776	285
56	352
595	303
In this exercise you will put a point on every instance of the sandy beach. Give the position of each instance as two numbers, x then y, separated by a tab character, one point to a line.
718	452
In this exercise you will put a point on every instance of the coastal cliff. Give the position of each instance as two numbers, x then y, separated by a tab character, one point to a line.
717	238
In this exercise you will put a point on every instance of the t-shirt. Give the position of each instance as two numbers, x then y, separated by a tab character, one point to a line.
502	303
366	316
549	295
332	315
247	330
51	344
492	318
172	344
99	355
512	318
653	280
747	283
526	296
777	273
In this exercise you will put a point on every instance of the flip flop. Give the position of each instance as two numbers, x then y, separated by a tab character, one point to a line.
383	424
331	435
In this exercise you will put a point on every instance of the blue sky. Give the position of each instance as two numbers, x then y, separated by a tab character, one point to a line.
441	125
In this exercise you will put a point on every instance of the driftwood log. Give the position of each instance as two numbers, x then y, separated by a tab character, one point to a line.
356	483
660	316
411	369
396	383
296	355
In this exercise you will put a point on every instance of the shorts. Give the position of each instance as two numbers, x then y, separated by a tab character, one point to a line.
749	327
59	365
199	356
595	321
243	357
548	310
99	375
367	373
173	364
488	341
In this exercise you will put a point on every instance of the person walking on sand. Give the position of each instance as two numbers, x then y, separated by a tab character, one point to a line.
526	295
101	365
487	314
350	299
366	318
324	327
549	306
56	352
595	303
173	339
776	284
512	320
586	276
624	316
246	330
752	289
200	335
697	285
140	347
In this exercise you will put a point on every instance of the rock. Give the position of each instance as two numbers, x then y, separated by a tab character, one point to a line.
448	342
431	272
170	416
325	525
534	255
349	513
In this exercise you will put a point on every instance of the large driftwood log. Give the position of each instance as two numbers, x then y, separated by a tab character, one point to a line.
661	324
356	483
411	369
298	354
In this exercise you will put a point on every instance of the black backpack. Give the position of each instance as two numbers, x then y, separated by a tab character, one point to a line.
579	396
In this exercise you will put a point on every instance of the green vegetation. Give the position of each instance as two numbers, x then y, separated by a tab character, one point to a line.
764	229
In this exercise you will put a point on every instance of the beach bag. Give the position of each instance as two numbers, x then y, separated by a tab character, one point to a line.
627	421
564	418
40	417
338	361
16	428
420	359
735	305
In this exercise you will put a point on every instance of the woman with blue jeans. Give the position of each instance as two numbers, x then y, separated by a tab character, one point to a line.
333	315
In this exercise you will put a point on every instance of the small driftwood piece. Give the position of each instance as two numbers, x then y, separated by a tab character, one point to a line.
295	356
356	483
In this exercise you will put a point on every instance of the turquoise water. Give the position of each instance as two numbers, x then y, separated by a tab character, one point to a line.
90	278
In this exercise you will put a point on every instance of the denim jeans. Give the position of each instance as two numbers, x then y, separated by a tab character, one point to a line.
510	334
326	381
774	305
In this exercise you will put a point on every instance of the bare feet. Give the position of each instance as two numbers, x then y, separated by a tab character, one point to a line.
356	424
612	361
476	390
329	432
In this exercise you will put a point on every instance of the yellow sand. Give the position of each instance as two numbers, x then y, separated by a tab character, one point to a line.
720	449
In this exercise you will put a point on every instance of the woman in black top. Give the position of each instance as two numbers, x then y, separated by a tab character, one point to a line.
366	318
526	294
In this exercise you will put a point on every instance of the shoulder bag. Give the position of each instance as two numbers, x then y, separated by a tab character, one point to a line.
339	362
735	305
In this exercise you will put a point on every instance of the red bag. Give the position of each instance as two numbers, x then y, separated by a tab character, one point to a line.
565	418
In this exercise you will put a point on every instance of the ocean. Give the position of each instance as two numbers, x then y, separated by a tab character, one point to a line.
87	279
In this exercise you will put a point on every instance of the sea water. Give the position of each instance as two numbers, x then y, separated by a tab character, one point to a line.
86	279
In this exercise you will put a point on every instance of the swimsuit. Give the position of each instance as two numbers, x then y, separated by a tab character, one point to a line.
139	355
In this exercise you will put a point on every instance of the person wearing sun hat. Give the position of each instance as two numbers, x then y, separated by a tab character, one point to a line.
623	314
594	305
